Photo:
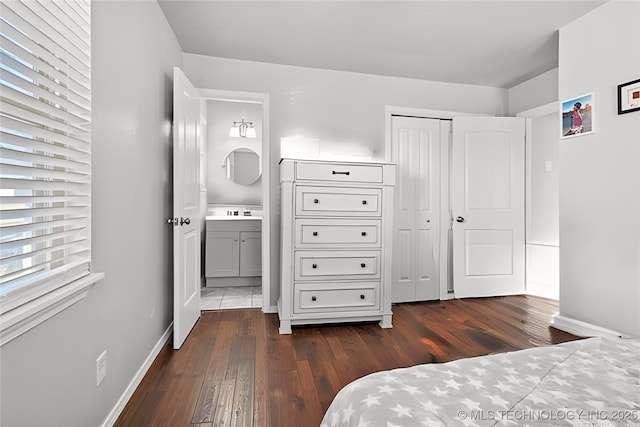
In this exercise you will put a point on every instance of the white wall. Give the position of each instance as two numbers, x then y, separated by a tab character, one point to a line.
220	117
600	173
48	375
339	110
534	92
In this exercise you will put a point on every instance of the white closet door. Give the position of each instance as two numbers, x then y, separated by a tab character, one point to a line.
487	198
416	151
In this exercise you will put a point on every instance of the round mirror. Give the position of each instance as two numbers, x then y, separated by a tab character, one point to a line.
243	166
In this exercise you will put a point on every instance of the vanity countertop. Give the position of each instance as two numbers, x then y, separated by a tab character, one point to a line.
232	218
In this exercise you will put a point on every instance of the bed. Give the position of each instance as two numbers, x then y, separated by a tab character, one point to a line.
594	381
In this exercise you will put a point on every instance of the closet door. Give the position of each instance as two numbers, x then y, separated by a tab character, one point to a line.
487	203
416	151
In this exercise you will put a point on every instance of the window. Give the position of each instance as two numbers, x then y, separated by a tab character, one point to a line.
45	160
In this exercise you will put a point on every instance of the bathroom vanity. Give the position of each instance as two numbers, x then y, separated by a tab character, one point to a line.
233	251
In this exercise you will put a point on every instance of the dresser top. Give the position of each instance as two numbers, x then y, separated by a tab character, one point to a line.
342	162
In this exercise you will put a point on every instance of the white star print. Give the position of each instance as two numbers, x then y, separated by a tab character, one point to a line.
453	384
558	395
371	400
402	411
504	387
420	374
511	371
432	423
362	422
476	383
479	371
386	389
536	398
439	392
412	389
497	400
430	407
347	412
471	404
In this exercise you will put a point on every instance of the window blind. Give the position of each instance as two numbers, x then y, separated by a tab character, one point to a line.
45	146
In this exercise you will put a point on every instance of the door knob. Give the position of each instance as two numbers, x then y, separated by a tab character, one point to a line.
184	221
172	221
459	219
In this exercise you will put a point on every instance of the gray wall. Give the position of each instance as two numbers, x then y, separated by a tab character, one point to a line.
220	117
48	375
535	92
600	173
339	110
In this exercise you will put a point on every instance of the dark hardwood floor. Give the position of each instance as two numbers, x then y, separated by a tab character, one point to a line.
235	369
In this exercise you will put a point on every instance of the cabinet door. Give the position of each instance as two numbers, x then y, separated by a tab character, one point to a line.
250	253
222	254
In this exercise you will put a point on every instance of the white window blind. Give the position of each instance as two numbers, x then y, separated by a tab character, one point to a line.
45	147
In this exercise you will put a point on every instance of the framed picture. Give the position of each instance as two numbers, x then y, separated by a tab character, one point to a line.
578	116
629	97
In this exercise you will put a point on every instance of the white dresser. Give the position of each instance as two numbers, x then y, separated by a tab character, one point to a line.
336	242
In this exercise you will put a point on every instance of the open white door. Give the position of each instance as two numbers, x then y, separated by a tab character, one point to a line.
186	207
487	205
416	150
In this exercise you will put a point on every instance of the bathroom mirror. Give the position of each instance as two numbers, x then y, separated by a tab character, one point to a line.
243	166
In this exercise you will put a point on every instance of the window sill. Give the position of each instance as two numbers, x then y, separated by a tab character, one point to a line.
29	315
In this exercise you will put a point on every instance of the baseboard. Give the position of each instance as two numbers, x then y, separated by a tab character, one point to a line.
270	309
135	381
583	329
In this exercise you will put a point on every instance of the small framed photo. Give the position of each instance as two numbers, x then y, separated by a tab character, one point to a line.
629	97
578	116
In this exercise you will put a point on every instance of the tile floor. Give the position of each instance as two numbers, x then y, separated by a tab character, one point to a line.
232	297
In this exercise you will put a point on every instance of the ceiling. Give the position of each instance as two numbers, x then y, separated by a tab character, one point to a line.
479	42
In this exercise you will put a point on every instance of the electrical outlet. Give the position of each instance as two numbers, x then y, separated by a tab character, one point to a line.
101	368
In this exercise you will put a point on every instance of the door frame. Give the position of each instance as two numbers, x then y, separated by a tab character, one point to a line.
263	99
445	274
529	115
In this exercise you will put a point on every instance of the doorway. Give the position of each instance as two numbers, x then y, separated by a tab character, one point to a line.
542	203
235	193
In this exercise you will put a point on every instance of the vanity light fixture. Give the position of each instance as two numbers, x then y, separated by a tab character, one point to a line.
243	130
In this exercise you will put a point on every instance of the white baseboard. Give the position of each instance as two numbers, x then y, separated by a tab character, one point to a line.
270	309
135	381
583	329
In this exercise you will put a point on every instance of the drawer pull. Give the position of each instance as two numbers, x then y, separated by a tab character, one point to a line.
364	233
364	202
340	173
361	296
314	265
363	265
313	298
315	233
316	201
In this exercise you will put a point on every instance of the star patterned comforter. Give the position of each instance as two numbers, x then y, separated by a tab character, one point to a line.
592	382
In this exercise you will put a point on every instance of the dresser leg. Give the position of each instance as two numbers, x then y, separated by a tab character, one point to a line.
285	327
386	321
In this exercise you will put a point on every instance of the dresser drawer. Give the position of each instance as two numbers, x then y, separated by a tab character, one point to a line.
336	265
323	297
337	233
338	201
339	172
